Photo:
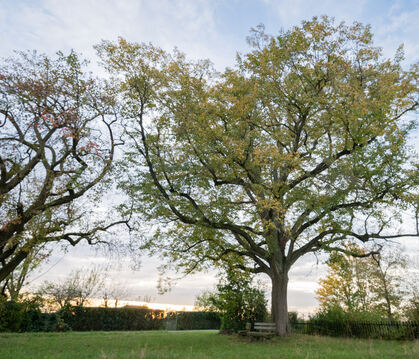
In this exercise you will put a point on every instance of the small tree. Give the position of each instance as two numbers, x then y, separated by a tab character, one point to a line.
346	283
237	301
76	289
386	282
112	290
364	282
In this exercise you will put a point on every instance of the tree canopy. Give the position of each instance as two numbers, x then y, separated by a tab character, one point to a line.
298	148
56	144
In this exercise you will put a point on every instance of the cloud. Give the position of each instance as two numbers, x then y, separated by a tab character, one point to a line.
392	23
292	12
51	25
399	26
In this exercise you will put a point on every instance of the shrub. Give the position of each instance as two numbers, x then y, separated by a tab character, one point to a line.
21	316
336	322
236	301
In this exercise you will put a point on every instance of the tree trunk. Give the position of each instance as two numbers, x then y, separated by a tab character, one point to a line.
279	303
8	268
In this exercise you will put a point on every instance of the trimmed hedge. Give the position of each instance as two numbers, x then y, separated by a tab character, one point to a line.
194	320
26	316
90	318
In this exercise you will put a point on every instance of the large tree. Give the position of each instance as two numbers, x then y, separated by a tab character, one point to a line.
56	144
301	146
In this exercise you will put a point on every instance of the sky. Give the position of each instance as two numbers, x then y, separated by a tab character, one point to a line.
212	29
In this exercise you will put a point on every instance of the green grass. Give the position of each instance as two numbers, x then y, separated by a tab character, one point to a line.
196	345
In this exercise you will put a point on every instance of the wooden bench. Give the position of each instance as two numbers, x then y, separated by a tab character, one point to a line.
263	330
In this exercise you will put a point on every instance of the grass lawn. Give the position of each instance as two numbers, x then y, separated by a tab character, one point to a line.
196	345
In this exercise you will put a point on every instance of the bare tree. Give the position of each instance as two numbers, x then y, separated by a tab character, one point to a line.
79	286
113	291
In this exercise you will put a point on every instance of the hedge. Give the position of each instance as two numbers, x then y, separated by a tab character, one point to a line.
27	317
20	316
90	318
193	320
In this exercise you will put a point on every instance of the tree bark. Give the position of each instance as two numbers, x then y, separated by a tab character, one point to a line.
279	303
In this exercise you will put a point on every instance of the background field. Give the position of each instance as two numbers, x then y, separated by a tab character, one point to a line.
197	345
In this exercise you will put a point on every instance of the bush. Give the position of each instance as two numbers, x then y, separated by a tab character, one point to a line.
236	301
338	314
411	310
336	322
293	317
22	316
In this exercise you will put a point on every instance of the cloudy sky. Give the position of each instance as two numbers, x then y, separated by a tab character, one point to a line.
211	29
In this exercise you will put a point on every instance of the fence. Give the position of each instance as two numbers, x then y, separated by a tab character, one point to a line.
384	330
